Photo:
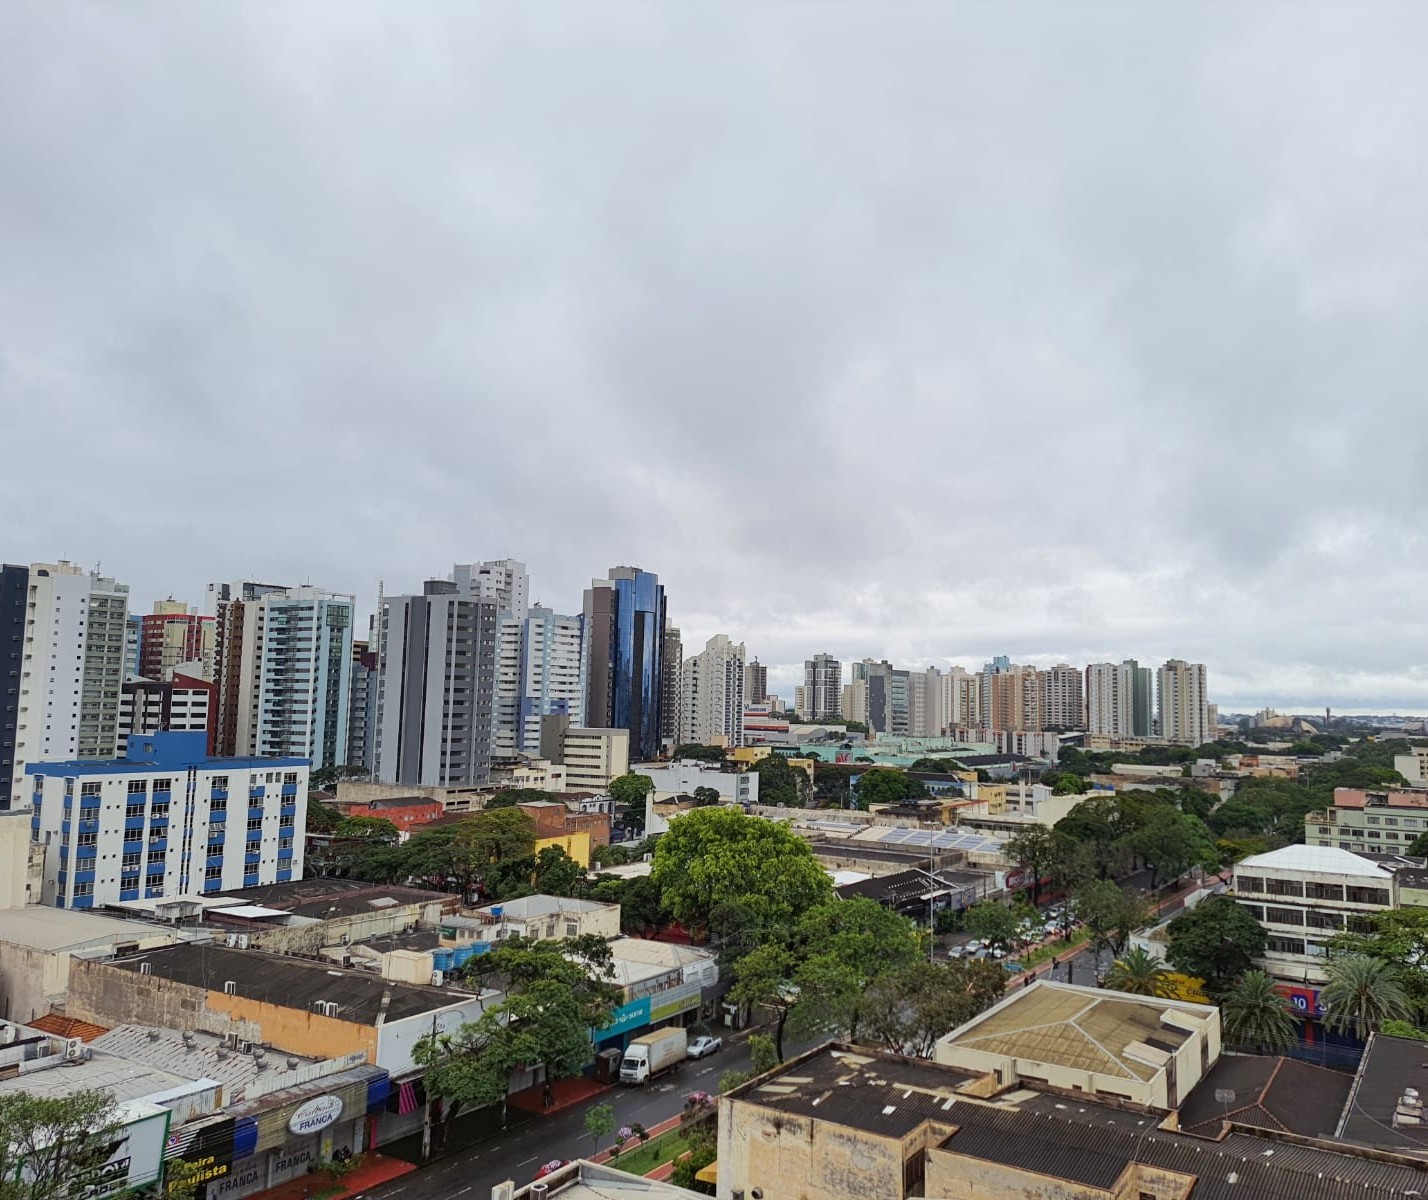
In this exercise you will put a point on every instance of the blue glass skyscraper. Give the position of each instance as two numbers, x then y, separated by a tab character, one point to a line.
624	631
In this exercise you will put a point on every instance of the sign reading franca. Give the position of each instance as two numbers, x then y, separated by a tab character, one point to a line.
317	1113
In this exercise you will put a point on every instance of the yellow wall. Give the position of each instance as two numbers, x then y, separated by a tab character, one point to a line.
747	756
577	845
306	1033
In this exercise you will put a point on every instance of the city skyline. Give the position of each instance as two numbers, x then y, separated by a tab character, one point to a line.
576	273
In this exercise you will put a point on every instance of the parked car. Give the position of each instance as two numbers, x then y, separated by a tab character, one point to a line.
700	1047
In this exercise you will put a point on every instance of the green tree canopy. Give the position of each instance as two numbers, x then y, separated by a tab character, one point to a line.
991	921
1362	993
52	1147
781	784
368	829
1398	937
629	791
1171	842
699	753
1139	973
321	818
1217	941
907	1009
704	796
1110	912
714	856
1255	1016
886	785
1038	850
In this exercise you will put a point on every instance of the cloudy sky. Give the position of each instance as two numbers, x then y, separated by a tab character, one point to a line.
1069	332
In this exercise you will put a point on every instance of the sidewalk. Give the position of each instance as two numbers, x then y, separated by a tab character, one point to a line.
564	1094
375	1169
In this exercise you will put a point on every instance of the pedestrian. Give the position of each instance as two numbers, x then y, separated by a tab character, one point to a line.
548	1098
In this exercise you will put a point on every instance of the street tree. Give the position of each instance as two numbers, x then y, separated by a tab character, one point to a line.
377	830
321	818
909	1008
53	1147
1171	842
599	1124
705	796
886	785
1037	850
714	856
1254	1015
992	922
1361	994
1140	974
1218	941
1110	912
556	873
1398	937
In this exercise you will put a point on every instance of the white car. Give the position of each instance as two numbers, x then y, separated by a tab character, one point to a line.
702	1047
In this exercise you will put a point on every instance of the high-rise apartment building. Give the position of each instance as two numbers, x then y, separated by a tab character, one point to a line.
756	683
1059	696
133	644
539	673
889	705
166	820
625	625
71	666
711	710
925	707
823	686
14	592
503	580
672	684
1181	703
436	687
1118	699
1000	665
855	700
172	635
283	666
961	699
362	708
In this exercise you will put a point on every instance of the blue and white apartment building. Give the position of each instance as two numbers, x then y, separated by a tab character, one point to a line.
166	821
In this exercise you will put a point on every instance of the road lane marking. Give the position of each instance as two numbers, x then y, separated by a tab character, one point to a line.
531	1159
464	1190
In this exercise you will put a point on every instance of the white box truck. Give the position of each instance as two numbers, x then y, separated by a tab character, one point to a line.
652	1054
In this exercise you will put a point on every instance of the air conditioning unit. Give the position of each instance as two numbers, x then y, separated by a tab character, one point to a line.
242	941
231	940
9	1034
73	1049
438	978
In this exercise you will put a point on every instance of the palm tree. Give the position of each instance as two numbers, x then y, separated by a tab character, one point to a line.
1140	974
1363	993
1255	1015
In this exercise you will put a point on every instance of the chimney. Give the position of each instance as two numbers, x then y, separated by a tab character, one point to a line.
189	1041
153	1035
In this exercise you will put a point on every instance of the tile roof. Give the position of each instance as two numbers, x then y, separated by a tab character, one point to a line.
67	1027
1271	1093
210	1057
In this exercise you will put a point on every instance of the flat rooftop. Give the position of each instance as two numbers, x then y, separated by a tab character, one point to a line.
291	982
883	1094
41	927
1081	1028
209	1057
1389	1067
327	898
543	906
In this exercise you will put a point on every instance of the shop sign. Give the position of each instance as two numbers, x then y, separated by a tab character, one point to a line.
238	1182
317	1113
635	1015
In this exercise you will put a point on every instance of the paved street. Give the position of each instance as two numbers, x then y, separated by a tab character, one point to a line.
519	1152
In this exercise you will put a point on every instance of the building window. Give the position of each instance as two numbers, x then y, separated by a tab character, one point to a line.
1368	895
133	810
220	781
87	839
218	806
1249	883
1324	891
160	810
1284	945
213	873
290	777
254	824
138	787
83	889
1283	887
1374	820
1284	916
89	789
163	785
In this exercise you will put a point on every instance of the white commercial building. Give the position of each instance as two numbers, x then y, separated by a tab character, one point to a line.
167	820
711	702
1304	896
71	668
925	715
680	778
503	580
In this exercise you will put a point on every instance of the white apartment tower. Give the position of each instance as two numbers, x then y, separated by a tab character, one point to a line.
71	669
961	699
539	673
503	580
822	687
926	713
1180	700
711	703
1060	698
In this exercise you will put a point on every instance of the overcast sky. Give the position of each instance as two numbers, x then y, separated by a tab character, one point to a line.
1068	332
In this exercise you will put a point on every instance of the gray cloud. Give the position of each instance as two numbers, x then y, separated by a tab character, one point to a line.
940	331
